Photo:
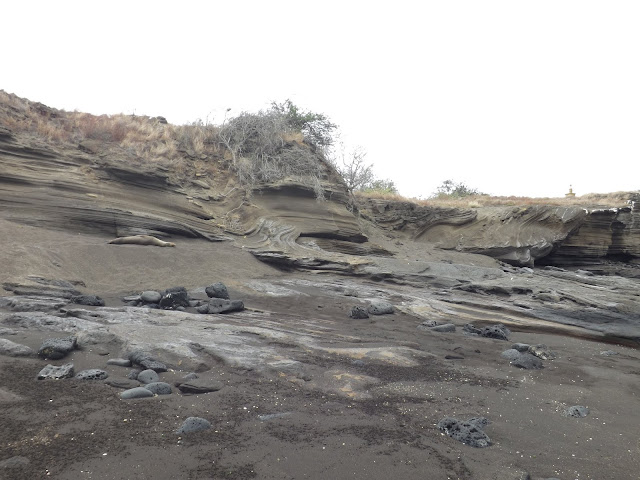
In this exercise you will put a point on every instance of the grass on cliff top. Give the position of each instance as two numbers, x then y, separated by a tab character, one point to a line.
195	151
616	199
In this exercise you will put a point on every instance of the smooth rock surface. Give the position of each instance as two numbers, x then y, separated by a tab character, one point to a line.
137	392
148	376
193	424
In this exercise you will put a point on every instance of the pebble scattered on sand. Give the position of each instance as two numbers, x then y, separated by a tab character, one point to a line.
137	392
468	432
123	383
148	376
198	385
193	424
380	308
92	374
608	353
159	388
577	411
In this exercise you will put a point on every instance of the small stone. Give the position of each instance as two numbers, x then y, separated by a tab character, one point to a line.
521	347
527	361
133	374
56	373
447	327
154	365
608	353
198	385
159	388
150	296
57	348
380	308
217	290
190	376
469	432
511	354
359	313
193	424
132	299
123	383
577	411
148	376
92	374
469	329
497	331
137	392
119	362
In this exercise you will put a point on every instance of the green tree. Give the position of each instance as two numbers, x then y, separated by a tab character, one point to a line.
449	188
316	127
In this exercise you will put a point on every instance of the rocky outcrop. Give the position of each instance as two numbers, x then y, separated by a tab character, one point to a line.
547	235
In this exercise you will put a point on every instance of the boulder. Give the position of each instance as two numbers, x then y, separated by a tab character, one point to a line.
380	308
159	388
217	290
527	361
173	300
469	432
542	351
148	376
359	312
193	424
57	348
445	328
150	296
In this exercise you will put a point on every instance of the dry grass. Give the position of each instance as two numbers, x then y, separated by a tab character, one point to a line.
616	199
139	139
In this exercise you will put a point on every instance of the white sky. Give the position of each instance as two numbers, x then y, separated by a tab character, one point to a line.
511	97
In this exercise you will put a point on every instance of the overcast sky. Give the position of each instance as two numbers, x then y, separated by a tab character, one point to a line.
510	97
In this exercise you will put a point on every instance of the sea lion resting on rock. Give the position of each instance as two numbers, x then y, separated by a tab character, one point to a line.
141	240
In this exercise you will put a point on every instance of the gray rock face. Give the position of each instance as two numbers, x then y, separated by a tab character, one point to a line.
92	374
56	373
92	300
159	388
217	290
150	296
577	411
358	312
380	308
198	385
148	376
469	432
193	424
13	349
137	392
57	348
